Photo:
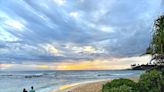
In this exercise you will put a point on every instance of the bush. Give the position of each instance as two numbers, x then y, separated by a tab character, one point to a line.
151	81
122	88
119	85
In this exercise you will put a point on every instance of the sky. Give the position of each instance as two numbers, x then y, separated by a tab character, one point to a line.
75	34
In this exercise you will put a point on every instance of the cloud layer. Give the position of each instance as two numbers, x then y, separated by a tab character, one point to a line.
73	30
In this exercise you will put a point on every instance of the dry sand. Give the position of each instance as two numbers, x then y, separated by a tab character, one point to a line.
87	87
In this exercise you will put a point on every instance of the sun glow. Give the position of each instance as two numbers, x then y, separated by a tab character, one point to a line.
102	64
42	66
87	65
97	64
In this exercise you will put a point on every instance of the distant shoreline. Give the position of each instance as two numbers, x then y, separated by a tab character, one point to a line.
90	86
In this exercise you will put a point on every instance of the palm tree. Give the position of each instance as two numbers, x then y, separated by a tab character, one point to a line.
157	45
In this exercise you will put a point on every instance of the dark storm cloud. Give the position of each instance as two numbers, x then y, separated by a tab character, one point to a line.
56	30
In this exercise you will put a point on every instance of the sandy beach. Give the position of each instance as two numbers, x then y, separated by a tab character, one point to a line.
87	87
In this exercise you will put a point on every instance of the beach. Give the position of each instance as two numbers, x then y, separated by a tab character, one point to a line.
95	86
63	81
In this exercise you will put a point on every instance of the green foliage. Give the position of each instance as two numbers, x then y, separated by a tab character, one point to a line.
119	85
156	49
151	81
122	88
149	50
158	37
157	44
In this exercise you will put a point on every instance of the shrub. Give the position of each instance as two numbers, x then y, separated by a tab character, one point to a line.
122	88
119	85
151	81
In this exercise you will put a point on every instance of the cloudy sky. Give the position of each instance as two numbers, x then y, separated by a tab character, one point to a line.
75	34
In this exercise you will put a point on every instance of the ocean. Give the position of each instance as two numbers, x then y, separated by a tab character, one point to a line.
46	81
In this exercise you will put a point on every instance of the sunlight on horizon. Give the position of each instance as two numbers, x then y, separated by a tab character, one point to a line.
99	64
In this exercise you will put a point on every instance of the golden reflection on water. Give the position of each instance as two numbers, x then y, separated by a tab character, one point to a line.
68	86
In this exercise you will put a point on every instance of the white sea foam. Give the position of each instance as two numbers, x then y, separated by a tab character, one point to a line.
45	81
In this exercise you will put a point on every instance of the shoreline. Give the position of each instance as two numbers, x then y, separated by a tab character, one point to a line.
88	86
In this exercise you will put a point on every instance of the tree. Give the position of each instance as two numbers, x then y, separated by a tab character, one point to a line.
156	48
151	81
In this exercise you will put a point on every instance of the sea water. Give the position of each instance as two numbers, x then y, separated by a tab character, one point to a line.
46	81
